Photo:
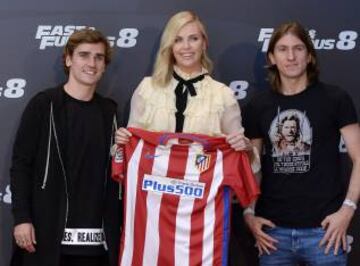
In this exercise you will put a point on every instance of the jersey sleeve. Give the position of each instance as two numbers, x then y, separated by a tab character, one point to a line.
241	178
117	163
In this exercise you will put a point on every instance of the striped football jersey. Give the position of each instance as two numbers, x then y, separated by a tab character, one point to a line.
177	197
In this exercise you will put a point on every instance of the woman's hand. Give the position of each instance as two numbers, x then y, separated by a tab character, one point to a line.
122	136
239	142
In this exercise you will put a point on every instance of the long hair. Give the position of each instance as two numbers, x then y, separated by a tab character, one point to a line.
297	30
164	64
295	118
87	35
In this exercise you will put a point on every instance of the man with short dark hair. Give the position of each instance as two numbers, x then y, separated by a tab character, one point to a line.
305	209
65	206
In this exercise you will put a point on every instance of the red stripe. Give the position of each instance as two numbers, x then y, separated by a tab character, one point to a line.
145	167
197	217
168	210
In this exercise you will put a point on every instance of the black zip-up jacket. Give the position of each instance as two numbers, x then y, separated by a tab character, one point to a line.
38	178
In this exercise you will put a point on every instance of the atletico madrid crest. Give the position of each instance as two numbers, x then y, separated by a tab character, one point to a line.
202	162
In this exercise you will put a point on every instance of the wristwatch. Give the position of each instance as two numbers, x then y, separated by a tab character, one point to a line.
350	203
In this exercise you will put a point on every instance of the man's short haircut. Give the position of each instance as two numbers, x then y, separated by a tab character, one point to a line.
87	35
299	31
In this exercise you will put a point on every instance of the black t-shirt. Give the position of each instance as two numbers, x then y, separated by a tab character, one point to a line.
85	165
301	181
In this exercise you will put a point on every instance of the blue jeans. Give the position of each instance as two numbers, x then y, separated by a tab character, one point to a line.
301	246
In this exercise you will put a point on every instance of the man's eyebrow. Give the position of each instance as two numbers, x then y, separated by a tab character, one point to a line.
89	52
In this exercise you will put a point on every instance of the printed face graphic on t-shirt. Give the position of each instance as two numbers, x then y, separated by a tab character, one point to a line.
291	137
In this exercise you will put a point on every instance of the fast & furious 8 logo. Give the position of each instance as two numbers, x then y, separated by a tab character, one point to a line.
15	88
5	196
57	36
346	40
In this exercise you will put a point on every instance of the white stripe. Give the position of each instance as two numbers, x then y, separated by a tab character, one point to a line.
183	216
153	202
209	219
132	172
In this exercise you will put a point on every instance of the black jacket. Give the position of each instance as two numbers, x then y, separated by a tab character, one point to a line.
38	178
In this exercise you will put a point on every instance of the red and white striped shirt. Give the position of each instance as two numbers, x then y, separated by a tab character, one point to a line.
177	197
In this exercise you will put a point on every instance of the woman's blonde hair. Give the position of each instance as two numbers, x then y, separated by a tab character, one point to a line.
164	64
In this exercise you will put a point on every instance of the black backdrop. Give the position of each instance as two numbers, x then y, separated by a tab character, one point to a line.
33	33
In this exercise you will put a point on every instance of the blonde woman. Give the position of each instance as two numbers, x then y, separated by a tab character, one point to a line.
181	96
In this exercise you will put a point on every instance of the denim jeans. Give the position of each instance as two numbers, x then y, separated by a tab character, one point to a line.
301	246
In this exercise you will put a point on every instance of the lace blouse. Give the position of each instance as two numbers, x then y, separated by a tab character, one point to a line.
213	111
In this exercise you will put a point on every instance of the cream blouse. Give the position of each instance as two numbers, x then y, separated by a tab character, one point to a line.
213	111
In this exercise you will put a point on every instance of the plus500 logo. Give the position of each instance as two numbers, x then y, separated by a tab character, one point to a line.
173	186
346	40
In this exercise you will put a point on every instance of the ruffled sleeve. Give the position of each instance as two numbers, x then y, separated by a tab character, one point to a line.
137	107
231	122
231	116
152	108
214	110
